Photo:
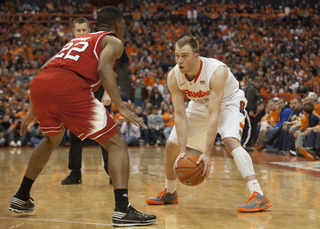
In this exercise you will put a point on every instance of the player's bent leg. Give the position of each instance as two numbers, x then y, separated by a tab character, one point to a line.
41	154
257	201
118	166
172	152
118	161
169	194
21	201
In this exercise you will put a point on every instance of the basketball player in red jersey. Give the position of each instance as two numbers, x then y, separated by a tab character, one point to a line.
62	95
217	105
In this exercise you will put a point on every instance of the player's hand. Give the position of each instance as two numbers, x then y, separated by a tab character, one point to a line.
181	155
106	100
30	117
131	117
207	164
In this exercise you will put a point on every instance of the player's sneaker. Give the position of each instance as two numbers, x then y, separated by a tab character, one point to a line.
255	203
20	206
163	197
131	218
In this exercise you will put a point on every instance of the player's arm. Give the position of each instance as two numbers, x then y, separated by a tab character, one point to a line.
180	118
217	84
112	50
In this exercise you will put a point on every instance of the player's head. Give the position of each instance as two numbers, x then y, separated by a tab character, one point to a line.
186	53
80	27
110	19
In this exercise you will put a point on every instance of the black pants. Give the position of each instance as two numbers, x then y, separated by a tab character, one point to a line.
75	152
249	129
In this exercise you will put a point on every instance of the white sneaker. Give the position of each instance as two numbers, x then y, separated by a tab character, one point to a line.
12	144
19	143
293	152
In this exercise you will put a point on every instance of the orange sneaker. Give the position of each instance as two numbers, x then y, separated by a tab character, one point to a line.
255	203
310	154
163	197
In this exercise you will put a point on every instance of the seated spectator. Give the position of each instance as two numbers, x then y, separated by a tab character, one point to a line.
139	94
144	132
155	97
287	138
166	96
168	117
308	137
156	126
272	119
35	134
296	106
14	137
159	86
131	133
7	120
2	110
2	139
285	113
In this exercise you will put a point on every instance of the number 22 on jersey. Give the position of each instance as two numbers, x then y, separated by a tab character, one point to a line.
73	49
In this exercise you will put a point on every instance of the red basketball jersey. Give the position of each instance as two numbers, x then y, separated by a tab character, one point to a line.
81	55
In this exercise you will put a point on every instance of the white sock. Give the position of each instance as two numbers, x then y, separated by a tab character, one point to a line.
171	185
254	186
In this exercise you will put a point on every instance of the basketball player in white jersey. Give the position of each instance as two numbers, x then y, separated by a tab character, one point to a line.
217	105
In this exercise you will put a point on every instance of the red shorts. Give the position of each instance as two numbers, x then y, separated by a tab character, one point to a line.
61	98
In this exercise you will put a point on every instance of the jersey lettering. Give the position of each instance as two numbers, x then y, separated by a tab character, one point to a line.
198	94
68	46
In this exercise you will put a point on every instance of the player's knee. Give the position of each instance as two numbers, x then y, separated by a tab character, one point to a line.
171	147
55	140
117	140
231	143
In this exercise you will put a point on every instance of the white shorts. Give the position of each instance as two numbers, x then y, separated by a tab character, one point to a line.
230	123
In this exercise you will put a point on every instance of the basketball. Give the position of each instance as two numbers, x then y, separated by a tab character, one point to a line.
188	172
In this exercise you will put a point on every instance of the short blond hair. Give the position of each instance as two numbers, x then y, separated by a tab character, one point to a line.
188	40
80	20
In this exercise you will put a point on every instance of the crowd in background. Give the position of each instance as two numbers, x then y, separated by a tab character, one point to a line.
279	43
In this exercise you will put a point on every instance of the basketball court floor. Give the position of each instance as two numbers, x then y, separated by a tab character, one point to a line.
292	184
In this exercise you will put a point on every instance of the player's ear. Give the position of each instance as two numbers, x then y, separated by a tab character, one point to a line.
196	55
117	25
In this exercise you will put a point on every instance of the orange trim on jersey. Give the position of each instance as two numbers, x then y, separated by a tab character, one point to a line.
241	125
195	79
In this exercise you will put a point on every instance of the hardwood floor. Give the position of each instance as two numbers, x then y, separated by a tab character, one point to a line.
292	184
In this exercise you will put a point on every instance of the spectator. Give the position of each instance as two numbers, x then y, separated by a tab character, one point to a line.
139	94
2	139
7	120
156	126
144	132
155	97
168	117
131	133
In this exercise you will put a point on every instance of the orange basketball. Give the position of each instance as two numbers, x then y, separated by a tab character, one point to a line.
188	172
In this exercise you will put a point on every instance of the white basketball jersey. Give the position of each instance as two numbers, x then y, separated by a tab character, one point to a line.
198	89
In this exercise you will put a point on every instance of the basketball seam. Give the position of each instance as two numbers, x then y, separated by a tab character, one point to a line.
200	169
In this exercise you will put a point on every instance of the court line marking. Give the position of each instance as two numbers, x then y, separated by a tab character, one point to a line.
59	221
